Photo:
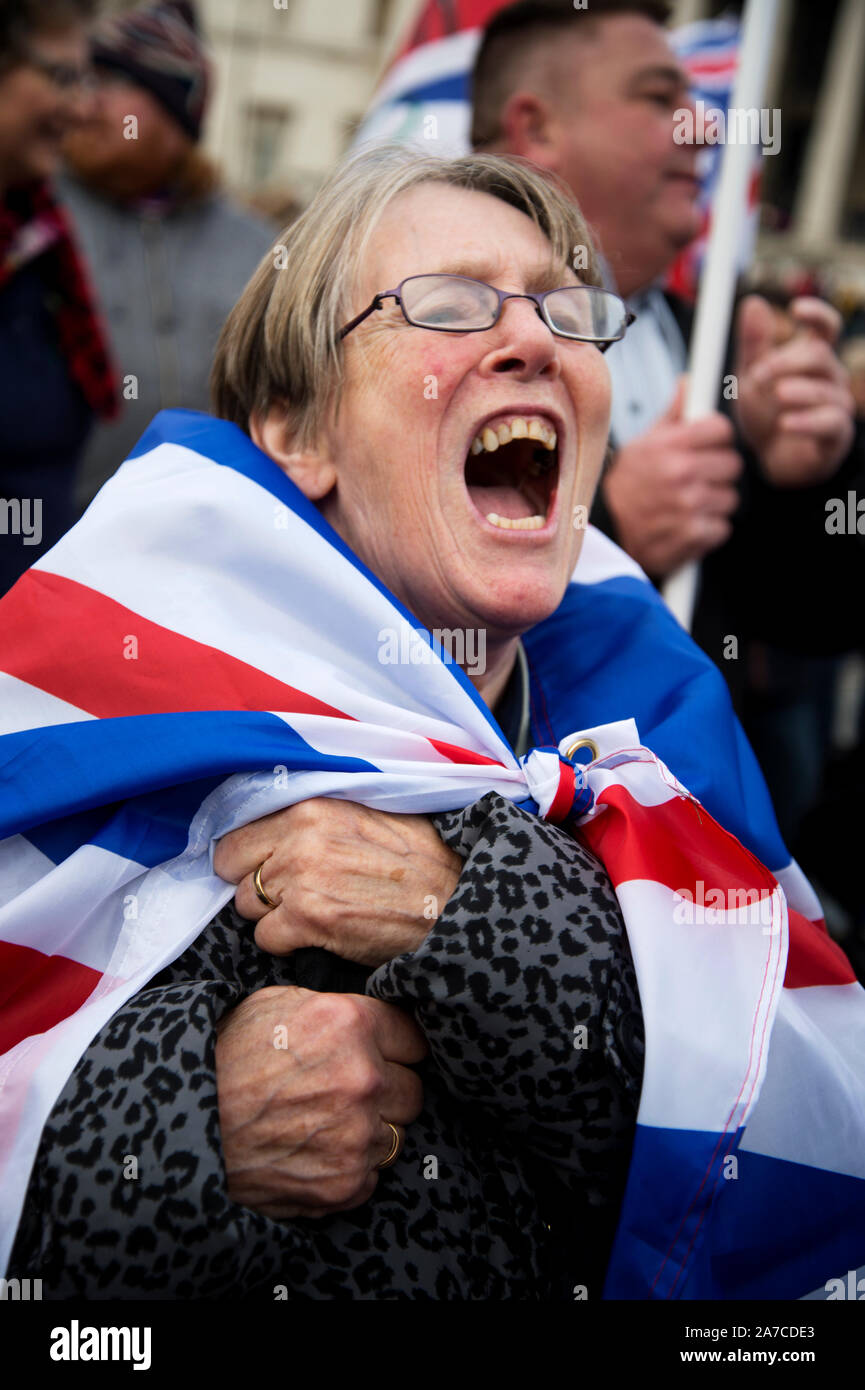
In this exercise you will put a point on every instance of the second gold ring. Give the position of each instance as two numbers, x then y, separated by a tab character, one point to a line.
395	1147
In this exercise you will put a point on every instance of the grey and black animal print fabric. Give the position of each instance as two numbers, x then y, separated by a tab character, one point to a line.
510	1181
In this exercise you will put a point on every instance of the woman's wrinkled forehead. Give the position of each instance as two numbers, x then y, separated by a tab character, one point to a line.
438	228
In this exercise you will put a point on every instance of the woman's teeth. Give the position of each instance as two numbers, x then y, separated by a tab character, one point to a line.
490	439
494	435
522	523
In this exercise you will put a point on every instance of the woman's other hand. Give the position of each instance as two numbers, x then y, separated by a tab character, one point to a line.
366	885
308	1086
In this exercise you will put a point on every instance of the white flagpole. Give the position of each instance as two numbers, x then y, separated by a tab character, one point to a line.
718	279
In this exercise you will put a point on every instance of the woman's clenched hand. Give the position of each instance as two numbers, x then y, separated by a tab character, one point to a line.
306	1084
364	884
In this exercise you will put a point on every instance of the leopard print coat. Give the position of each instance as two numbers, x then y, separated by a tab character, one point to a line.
510	1181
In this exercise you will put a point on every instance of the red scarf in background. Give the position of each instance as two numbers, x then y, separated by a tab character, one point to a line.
33	224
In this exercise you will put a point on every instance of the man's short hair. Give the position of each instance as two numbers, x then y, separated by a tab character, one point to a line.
513	35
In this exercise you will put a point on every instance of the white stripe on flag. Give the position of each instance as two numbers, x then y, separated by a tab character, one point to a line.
374	743
812	1107
600	559
650	781
25	706
707	998
57	915
21	865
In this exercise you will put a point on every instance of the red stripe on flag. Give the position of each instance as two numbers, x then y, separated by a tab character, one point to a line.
676	843
714	67
37	991
566	790
679	845
814	958
171	673
85	664
463	755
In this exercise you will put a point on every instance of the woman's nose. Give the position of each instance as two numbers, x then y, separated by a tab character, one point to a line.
522	343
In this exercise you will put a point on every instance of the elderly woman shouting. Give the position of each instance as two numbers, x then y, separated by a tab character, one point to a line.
406	1061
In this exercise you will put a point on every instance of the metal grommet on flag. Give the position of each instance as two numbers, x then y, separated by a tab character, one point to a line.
583	743
557	784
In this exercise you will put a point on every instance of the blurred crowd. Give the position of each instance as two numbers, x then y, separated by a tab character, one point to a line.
121	255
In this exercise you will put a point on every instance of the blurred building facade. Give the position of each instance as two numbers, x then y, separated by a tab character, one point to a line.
293	78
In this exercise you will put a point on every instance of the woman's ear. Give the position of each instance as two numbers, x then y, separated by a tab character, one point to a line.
314	474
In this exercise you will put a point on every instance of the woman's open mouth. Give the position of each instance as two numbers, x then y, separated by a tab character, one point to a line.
512	471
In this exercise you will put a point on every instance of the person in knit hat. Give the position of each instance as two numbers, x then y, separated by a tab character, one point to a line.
152	76
161	49
170	252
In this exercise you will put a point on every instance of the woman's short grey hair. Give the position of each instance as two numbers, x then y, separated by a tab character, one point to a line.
280	343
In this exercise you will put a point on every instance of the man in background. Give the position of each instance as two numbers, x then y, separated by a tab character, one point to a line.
169	252
592	96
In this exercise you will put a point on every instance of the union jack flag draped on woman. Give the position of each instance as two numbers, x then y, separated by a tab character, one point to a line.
203	649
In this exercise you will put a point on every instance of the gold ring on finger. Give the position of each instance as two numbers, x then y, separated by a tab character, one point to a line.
395	1147
260	891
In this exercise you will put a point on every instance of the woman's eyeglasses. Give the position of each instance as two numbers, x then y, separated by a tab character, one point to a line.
457	304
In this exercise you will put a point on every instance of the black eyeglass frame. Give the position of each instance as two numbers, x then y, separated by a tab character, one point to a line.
537	299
